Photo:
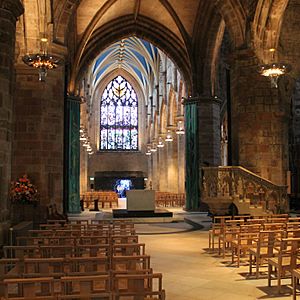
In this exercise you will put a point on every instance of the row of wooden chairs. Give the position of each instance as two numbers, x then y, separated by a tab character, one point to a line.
114	268
104	198
120	286
166	199
274	241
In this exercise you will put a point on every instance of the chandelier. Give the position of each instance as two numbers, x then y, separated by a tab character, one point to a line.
180	128
169	136
148	152
274	70
84	138
160	143
43	61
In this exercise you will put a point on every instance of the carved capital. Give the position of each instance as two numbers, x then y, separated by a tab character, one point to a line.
14	6
74	98
201	99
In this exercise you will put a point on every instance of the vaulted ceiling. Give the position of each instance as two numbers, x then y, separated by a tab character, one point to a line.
136	56
188	31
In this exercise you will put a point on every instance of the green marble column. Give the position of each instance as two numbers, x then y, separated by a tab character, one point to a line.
192	156
72	157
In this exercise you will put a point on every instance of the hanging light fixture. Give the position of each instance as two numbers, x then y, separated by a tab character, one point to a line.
169	136
42	61
148	152
274	70
160	142
180	128
153	147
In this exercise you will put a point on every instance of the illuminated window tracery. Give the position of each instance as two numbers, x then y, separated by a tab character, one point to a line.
119	116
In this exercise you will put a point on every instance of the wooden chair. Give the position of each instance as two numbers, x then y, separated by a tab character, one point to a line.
9	268
93	250
138	287
216	230
295	282
80	266
43	267
21	251
241	245
135	262
57	251
285	262
266	247
128	249
85	287
40	288
231	229
124	239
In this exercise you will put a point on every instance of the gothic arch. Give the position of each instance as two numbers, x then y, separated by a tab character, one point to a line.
235	19
267	25
144	28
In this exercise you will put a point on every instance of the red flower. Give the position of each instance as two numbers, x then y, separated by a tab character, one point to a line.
23	191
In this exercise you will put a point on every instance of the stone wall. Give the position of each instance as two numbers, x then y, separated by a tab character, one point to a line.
101	162
38	132
10	10
259	122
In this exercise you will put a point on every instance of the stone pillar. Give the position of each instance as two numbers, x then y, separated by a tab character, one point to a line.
10	10
163	174
155	171
83	170
259	121
150	173
72	155
39	132
209	131
192	183
172	165
181	161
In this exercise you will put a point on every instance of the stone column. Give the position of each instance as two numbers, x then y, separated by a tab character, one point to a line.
72	154
10	10
39	132
181	161
163	174
259	121
83	170
172	165
150	173
155	172
209	131
192	183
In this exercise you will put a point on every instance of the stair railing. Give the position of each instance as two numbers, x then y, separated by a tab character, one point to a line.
236	183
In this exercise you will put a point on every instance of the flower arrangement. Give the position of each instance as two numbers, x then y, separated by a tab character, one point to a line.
23	191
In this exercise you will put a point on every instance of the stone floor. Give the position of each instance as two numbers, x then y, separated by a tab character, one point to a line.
190	271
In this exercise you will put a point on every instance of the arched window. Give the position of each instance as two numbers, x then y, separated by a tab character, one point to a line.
119	116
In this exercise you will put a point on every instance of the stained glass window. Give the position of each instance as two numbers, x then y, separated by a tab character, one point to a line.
119	116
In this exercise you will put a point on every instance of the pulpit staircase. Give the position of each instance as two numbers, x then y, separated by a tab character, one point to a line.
224	188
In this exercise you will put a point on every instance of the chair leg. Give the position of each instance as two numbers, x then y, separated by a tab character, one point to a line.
250	264
269	274
257	267
294	282
278	281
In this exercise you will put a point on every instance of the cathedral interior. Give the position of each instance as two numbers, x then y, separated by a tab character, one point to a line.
195	98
